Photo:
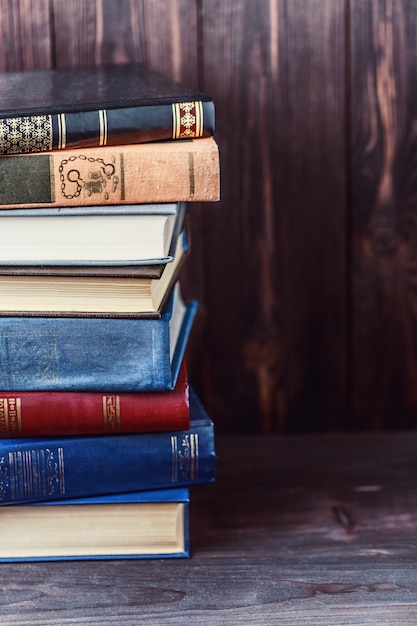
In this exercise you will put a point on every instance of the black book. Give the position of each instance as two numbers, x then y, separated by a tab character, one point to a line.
53	109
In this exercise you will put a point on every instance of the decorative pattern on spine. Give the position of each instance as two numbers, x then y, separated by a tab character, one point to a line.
40	133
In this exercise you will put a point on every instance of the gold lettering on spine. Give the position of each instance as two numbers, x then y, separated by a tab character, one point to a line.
10	416
62	131
3	415
102	117
61	470
111	413
194	456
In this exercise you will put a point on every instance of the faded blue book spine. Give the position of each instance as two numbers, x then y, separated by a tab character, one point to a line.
91	354
39	469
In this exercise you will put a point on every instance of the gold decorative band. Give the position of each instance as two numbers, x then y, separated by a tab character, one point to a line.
10	416
187	120
102	116
111	413
62	131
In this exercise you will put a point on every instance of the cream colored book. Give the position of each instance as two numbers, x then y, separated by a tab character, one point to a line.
91	295
133	525
100	235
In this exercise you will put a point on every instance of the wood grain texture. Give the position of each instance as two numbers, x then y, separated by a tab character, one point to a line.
315	529
384	210
161	34
25	35
276	304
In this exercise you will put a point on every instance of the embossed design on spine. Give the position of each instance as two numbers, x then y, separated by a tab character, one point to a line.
88	175
185	457
26	134
31	474
111	413
10	416
187	120
36	359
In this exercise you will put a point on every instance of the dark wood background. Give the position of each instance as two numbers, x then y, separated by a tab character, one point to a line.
306	271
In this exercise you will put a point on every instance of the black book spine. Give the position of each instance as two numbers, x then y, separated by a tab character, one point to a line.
141	124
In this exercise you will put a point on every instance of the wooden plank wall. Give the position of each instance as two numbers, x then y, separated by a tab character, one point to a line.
306	270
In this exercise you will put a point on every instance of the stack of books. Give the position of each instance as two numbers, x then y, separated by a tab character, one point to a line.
100	433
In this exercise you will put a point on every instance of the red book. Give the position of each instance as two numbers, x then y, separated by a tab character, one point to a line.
44	413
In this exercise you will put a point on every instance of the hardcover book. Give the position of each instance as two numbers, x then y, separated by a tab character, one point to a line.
139	525
95	354
52	109
160	172
48	413
140	234
54	468
99	296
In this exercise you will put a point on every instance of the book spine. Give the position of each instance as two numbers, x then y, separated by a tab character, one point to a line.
37	414
90	354
161	172
106	127
36	469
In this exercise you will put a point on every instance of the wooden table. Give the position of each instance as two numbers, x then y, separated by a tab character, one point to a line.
312	530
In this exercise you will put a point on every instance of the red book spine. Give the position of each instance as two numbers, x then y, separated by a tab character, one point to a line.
39	413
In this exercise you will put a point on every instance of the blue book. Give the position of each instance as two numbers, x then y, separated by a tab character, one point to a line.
95	354
138	525
54	468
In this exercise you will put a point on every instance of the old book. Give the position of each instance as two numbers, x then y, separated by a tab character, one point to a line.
99	235
56	468
99	296
166	171
138	525
65	413
52	109
95	353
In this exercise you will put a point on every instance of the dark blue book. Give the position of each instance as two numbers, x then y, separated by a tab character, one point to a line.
42	469
95	354
53	109
138	525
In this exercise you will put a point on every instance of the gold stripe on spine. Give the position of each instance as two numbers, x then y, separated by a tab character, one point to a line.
62	131
175	120
102	117
199	119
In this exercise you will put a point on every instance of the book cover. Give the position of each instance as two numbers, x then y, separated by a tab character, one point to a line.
54	468
161	172
140	234
95	353
136	525
48	413
94	296
52	109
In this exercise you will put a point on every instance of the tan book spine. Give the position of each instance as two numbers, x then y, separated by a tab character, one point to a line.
172	171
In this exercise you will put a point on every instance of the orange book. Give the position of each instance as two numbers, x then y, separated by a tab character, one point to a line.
169	171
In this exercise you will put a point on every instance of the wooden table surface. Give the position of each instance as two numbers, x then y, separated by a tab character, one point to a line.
312	530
